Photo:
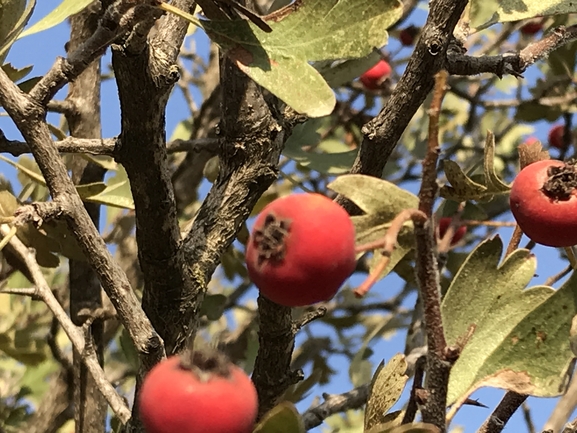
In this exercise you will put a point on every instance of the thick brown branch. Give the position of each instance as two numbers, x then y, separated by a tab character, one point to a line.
383	132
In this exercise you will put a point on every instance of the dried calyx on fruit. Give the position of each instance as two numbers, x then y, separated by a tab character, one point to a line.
200	391
544	202
301	250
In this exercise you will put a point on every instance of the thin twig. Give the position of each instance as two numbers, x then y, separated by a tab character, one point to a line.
75	334
439	358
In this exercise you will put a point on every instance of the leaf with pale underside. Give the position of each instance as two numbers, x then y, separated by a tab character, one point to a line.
381	201
386	388
521	336
56	16
14	15
495	11
283	418
483	187
306	31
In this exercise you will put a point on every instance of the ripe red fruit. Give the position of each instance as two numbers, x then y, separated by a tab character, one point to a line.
444	224
373	78
407	35
198	392
556	136
544	202
301	250
531	28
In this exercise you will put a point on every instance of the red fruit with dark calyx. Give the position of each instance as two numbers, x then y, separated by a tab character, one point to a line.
301	250
544	202
531	28
460	232
200	392
556	136
374	77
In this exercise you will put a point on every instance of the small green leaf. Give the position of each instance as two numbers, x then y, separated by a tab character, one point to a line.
386	388
213	306
347	71
283	418
16	74
464	187
115	192
493	181
56	16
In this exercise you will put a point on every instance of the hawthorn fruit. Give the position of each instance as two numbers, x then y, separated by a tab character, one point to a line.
444	224
407	35
555	136
374	77
301	250
543	201
531	28
198	392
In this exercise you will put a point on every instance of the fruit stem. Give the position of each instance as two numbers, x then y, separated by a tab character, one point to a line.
387	243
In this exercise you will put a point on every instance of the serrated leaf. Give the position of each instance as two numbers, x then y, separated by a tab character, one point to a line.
312	30
283	418
13	73
14	15
464	187
515	10
386	388
373	195
491	178
521	337
382	201
56	16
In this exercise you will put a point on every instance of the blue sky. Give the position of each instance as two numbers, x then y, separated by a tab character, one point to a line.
42	50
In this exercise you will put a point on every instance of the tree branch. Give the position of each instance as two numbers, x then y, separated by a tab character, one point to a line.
511	63
29	117
383	132
335	403
75	334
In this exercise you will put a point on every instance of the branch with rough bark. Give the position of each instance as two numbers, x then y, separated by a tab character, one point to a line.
28	112
511	63
106	146
383	132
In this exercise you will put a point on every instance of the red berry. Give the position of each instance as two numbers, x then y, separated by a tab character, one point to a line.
301	250
544	202
407	35
531	28
198	393
556	136
444	224
373	78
